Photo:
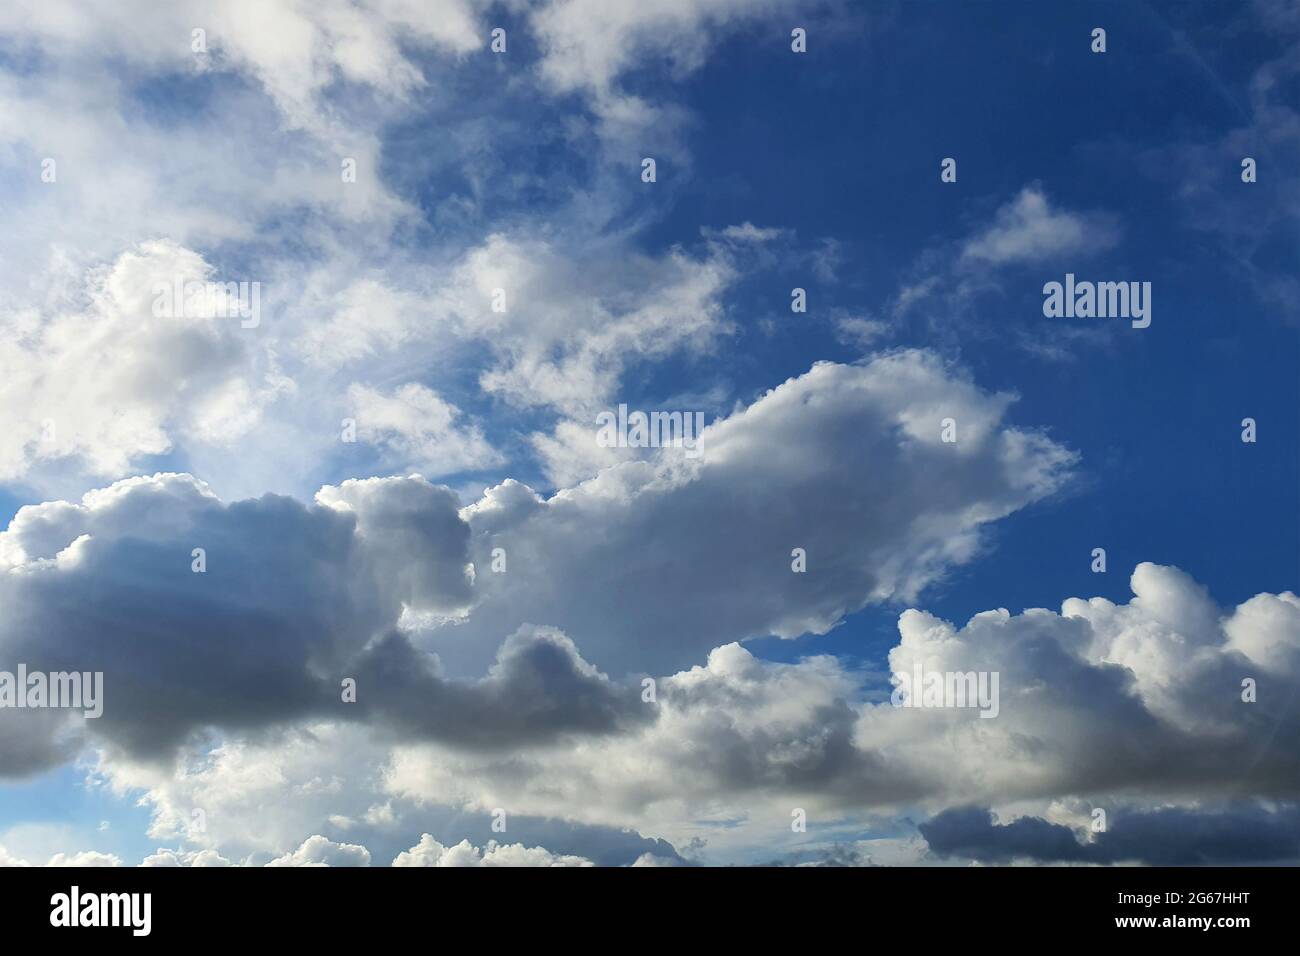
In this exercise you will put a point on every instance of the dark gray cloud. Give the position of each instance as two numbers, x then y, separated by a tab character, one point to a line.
538	688
294	599
290	595
1167	836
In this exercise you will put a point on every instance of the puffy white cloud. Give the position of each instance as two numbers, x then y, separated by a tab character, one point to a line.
725	739
653	562
261	794
79	859
429	852
109	383
751	739
167	857
84	859
318	851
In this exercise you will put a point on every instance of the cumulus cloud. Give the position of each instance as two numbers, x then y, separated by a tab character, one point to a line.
78	860
87	858
538	688
165	857
318	851
845	462
1080	718
290	593
388	580
111	382
294	598
429	852
262	794
1074	720
104	385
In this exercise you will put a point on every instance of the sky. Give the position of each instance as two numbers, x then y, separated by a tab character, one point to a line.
364	582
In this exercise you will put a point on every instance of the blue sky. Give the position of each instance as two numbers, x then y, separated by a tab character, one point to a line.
775	170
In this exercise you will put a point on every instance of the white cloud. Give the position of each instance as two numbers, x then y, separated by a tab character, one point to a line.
84	859
571	453
1028	229
845	462
429	852
1081	714
166	857
587	44
649	859
318	851
418	430
1118	703
110	382
293	51
571	325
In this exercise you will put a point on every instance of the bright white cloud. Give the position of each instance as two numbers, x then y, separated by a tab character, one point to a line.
316	850
429	852
845	462
416	428
111	380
